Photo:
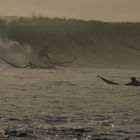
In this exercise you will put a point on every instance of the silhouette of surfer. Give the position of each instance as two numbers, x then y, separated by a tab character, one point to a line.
44	53
134	82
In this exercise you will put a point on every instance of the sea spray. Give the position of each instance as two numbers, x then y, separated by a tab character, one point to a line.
11	51
14	53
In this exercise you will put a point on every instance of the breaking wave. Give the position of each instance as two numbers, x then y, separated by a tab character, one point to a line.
87	42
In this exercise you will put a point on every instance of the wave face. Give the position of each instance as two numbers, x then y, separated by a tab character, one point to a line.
91	42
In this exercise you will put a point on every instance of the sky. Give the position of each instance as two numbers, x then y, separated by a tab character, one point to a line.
104	10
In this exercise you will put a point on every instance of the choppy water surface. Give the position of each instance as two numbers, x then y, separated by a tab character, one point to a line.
68	103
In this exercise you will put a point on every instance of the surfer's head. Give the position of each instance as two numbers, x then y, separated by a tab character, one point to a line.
133	79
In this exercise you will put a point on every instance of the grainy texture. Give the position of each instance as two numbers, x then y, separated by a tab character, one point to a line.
68	103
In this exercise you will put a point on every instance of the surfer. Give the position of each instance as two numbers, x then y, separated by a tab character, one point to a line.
134	82
45	53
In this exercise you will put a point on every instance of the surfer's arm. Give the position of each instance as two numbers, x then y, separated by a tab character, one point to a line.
128	84
133	84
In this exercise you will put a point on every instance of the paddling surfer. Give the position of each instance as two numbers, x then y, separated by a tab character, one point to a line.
134	81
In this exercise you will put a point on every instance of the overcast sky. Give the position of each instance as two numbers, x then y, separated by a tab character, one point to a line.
105	10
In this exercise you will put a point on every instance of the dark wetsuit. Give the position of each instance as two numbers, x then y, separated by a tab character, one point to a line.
45	53
133	82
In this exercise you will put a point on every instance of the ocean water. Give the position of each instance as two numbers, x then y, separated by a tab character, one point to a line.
74	98
69	102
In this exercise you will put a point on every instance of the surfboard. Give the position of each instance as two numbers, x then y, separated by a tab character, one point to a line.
61	62
108	81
